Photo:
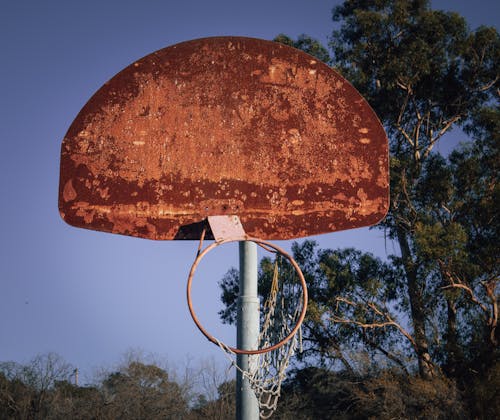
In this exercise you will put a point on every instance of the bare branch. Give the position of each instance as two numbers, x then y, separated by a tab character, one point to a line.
361	324
389	321
469	291
488	85
405	135
419	116
406	88
409	201
447	125
456	283
401	113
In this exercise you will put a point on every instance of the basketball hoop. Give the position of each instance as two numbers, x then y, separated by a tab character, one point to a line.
267	365
266	245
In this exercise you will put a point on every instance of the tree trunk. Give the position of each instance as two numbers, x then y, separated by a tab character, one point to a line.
453	353
425	366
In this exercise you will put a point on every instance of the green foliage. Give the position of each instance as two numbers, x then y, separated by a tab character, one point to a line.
305	43
350	293
476	169
398	50
425	72
229	285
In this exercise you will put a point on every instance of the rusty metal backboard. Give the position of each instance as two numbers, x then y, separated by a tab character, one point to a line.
225	126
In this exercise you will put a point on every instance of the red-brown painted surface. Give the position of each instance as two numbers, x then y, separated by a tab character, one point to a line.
225	126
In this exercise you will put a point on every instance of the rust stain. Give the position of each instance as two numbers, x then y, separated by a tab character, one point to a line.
220	126
68	193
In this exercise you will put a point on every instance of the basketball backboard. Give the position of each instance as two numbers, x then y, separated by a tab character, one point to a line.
225	126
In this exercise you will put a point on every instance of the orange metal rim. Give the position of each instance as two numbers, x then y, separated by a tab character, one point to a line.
263	244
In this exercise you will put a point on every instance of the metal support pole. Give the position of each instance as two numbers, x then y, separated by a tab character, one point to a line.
247	407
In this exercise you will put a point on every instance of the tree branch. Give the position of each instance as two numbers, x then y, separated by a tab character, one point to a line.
402	110
469	291
447	125
389	355
405	135
489	286
459	285
389	321
488	85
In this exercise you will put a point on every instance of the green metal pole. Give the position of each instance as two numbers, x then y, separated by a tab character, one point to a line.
247	407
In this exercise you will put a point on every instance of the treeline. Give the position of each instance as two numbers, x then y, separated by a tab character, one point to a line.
46	388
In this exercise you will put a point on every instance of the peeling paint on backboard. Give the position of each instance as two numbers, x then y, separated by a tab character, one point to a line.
225	126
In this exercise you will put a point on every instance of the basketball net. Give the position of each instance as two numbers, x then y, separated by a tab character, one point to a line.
267	371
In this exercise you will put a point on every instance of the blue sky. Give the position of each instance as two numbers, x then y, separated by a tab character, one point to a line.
86	295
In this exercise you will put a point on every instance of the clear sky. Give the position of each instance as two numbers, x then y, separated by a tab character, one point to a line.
86	295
